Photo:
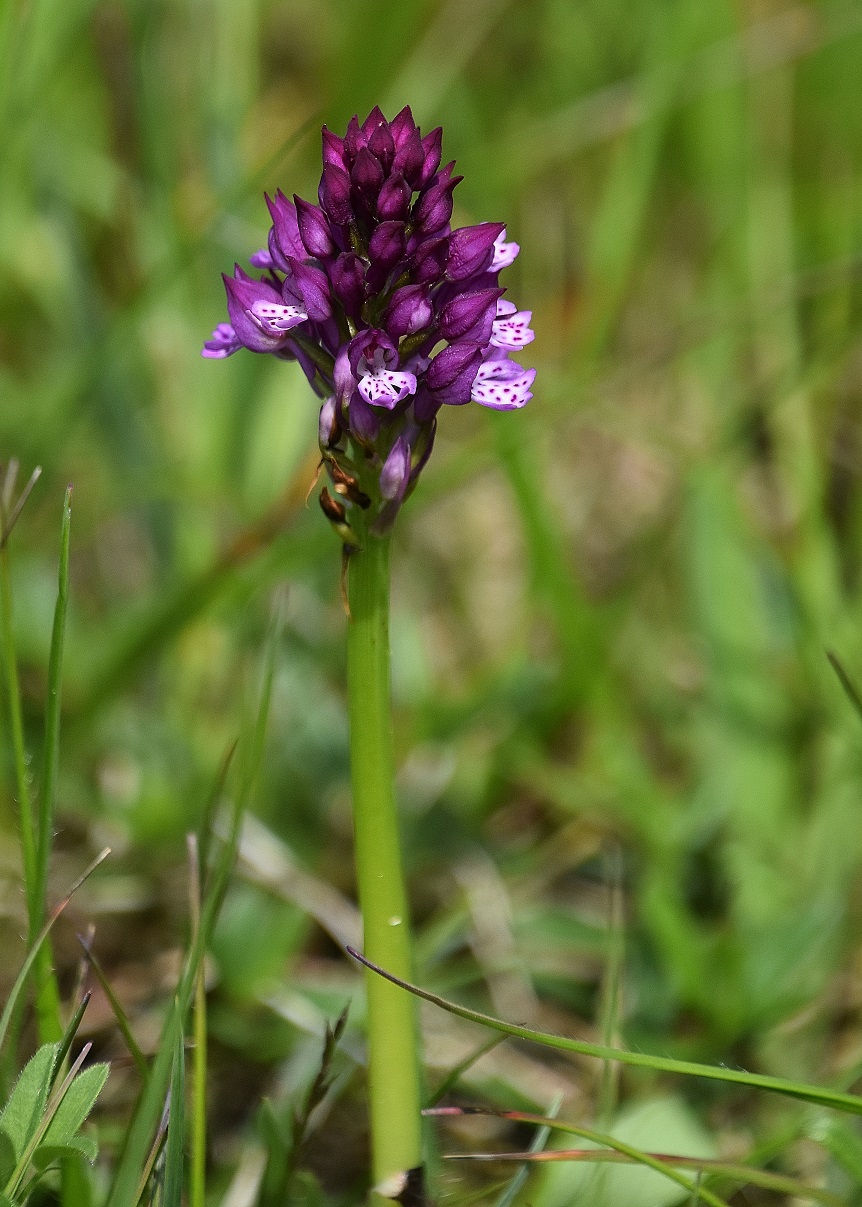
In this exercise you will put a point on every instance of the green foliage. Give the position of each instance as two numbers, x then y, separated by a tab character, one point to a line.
39	1128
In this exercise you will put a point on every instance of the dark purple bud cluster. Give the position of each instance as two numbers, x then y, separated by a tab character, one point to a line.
389	312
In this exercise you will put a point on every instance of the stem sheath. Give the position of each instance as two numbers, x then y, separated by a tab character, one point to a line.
393	1070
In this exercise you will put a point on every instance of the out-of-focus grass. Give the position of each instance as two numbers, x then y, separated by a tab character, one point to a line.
612	609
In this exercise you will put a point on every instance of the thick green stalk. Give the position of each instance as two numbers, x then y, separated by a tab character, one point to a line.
393	1065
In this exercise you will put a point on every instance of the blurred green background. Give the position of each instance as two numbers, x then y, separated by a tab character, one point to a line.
631	780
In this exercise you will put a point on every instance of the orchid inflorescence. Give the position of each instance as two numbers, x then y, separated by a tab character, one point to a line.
390	313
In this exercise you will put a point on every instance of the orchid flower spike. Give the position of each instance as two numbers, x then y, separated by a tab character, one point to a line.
391	314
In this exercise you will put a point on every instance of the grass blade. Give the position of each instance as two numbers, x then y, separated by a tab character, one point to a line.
820	1095
72	1030
119	1013
21	979
706	1166
173	1191
651	1161
540	1139
45	819
197	1191
454	1075
850	688
47	993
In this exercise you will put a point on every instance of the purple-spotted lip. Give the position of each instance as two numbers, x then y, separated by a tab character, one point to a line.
382	387
275	319
511	328
503	385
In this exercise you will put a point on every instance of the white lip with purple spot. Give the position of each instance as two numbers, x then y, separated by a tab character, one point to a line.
386	387
511	328
502	385
275	319
504	253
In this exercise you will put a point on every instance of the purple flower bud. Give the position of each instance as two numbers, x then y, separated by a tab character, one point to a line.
382	146
366	175
402	127
328	427
395	473
284	240
410	158
310	285
409	311
429	260
393	201
353	139
347	275
434	208
334	194
432	149
373	122
333	150
313	229
276	256
425	406
364	420
452	372
343	377
471	250
470	316
387	244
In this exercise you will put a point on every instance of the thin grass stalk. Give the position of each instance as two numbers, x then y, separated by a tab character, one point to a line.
16	728
48	1009
393	1073
120	1017
611	989
49	1018
732	1171
657	1163
48	794
198	1126
175	1147
805	1092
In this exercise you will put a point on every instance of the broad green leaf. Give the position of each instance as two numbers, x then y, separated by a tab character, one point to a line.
51	1154
77	1103
26	1106
7	1159
844	1144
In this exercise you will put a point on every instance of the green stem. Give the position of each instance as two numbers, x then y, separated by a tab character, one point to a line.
393	1068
